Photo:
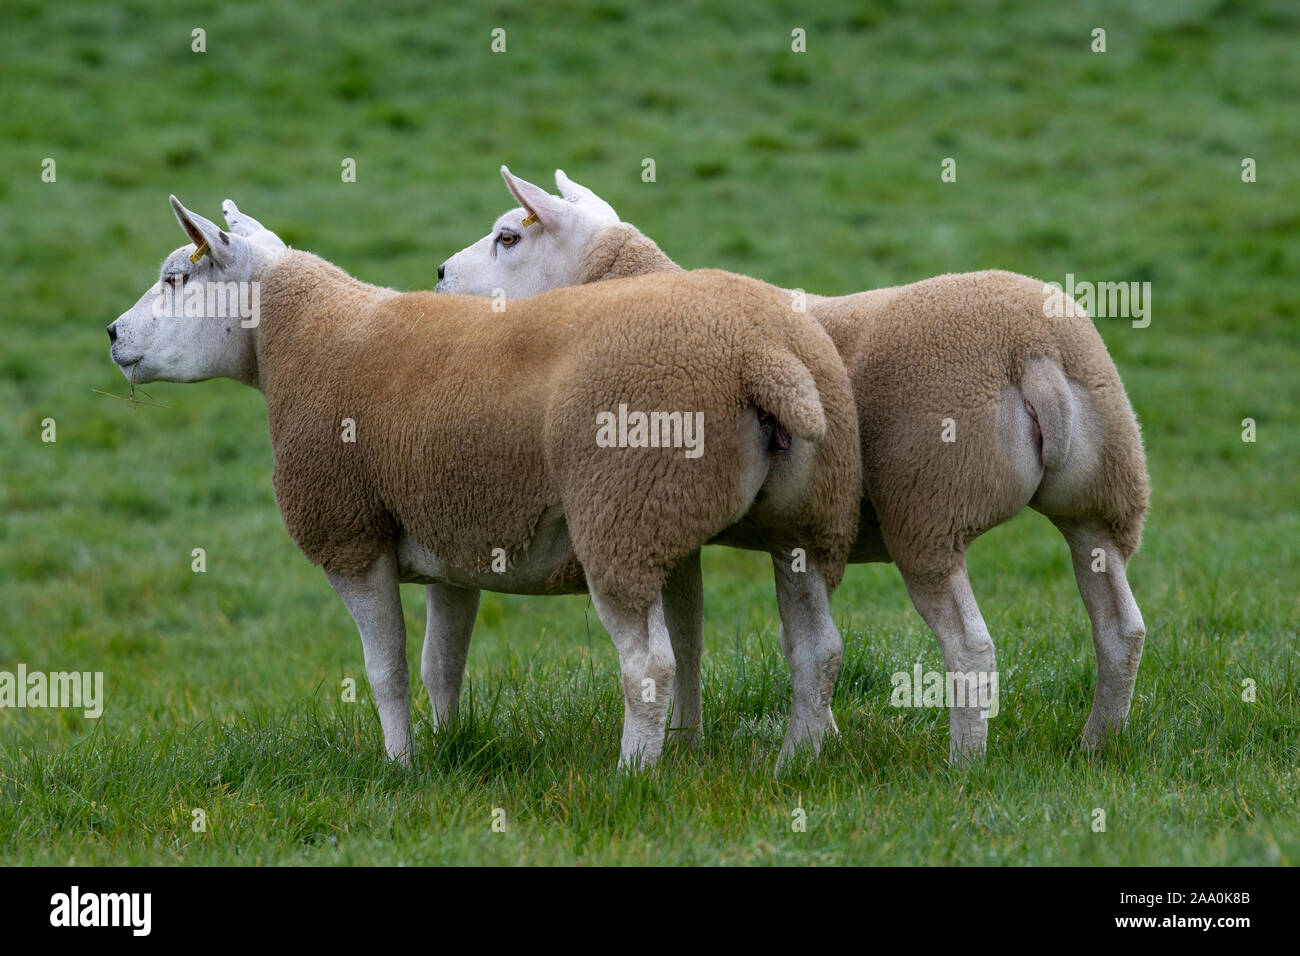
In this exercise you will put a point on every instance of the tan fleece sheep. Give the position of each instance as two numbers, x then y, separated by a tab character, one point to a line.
975	398
424	437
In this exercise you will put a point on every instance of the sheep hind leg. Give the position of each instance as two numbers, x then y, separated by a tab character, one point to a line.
813	650
683	603
948	606
1118	631
450	613
645	656
831	727
374	600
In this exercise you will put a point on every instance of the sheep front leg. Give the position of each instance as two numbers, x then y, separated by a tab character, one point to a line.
813	650
948	606
1118	631
375	602
683	600
645	655
450	613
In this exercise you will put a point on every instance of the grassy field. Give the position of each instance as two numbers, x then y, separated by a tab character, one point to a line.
819	170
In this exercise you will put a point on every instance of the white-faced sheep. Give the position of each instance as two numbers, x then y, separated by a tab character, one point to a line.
977	394
422	437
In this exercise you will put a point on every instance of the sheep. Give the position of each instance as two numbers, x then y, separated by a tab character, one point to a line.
423	438
977	394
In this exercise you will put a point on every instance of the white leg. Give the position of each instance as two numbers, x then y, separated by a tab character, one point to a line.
813	650
1117	628
949	608
449	623
645	655
683	598
832	727
374	599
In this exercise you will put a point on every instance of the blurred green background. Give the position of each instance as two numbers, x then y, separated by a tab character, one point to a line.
818	169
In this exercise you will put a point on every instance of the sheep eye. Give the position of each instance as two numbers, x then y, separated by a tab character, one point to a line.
508	238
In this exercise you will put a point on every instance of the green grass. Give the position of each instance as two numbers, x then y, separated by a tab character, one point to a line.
818	170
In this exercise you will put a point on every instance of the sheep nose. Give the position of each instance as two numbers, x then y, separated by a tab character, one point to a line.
112	332
442	271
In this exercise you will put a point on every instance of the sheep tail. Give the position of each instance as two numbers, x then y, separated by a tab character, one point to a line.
776	381
1051	407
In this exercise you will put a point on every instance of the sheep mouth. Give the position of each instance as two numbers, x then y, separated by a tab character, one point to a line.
127	365
129	370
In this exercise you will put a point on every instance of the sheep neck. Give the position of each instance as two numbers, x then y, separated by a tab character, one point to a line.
300	292
620	251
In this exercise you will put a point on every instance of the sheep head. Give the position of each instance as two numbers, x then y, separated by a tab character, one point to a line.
197	320
533	248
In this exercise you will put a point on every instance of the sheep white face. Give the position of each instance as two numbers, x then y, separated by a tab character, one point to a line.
198	320
523	260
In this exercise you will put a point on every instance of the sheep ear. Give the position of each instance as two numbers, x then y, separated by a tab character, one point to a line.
551	211
203	231
575	192
242	224
567	188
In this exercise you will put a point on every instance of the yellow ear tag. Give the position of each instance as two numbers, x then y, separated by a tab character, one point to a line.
529	219
198	253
